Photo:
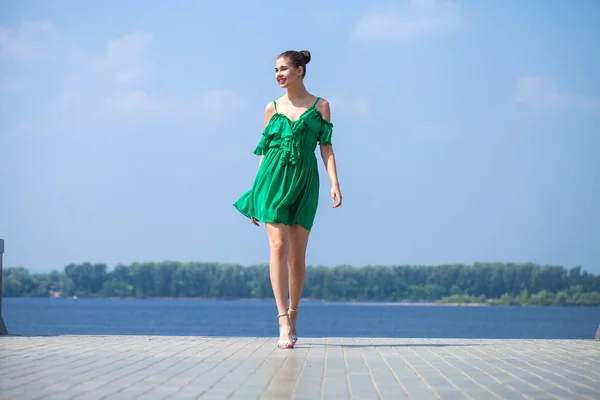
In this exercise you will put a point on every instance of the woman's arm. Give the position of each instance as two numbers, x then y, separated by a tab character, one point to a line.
328	156
269	111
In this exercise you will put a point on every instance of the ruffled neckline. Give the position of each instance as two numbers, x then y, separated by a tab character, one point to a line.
303	115
289	144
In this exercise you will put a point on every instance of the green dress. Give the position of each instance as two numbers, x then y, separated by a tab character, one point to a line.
286	187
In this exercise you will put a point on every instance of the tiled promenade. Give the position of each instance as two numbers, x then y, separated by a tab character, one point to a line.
141	367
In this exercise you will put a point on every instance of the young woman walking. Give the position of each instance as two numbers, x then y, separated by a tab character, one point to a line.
285	192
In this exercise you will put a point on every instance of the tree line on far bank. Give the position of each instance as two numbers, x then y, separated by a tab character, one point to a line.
486	283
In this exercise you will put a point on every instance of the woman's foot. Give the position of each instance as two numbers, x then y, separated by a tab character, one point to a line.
293	318
285	331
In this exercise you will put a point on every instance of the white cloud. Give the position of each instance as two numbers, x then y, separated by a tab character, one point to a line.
116	86
126	64
135	103
541	93
125	61
420	18
29	41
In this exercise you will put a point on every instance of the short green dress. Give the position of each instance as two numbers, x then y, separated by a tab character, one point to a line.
286	187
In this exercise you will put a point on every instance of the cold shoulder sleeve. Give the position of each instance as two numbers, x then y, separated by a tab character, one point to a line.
325	132
265	140
263	144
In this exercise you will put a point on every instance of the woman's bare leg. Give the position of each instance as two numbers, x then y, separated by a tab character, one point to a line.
298	239
279	244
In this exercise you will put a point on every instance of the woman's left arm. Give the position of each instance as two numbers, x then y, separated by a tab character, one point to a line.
328	156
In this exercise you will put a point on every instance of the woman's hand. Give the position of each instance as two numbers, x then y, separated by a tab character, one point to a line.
336	195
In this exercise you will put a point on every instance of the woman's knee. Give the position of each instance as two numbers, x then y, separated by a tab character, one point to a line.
278	244
278	238
296	263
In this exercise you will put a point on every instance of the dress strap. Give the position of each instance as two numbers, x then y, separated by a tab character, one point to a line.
275	105
316	101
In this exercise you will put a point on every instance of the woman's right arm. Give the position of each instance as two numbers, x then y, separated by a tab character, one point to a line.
269	112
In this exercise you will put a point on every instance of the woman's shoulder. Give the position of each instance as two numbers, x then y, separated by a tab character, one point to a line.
324	107
270	110
270	107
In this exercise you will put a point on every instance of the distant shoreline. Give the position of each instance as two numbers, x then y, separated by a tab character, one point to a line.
333	302
480	284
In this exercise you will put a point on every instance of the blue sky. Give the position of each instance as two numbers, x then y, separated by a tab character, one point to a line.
465	131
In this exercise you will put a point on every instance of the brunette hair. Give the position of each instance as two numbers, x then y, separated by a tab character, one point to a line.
297	58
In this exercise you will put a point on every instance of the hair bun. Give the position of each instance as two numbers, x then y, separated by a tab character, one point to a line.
306	55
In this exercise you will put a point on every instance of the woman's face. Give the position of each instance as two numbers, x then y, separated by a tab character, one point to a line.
286	74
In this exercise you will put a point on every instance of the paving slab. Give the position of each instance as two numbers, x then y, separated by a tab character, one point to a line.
179	367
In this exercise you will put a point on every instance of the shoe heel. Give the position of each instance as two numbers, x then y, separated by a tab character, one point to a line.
287	343
294	337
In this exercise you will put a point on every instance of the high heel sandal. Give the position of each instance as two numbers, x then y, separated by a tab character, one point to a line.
285	343
294	337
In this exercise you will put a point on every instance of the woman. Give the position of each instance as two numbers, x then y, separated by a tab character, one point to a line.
285	192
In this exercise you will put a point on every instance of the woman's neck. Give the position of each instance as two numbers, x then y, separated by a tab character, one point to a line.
297	93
